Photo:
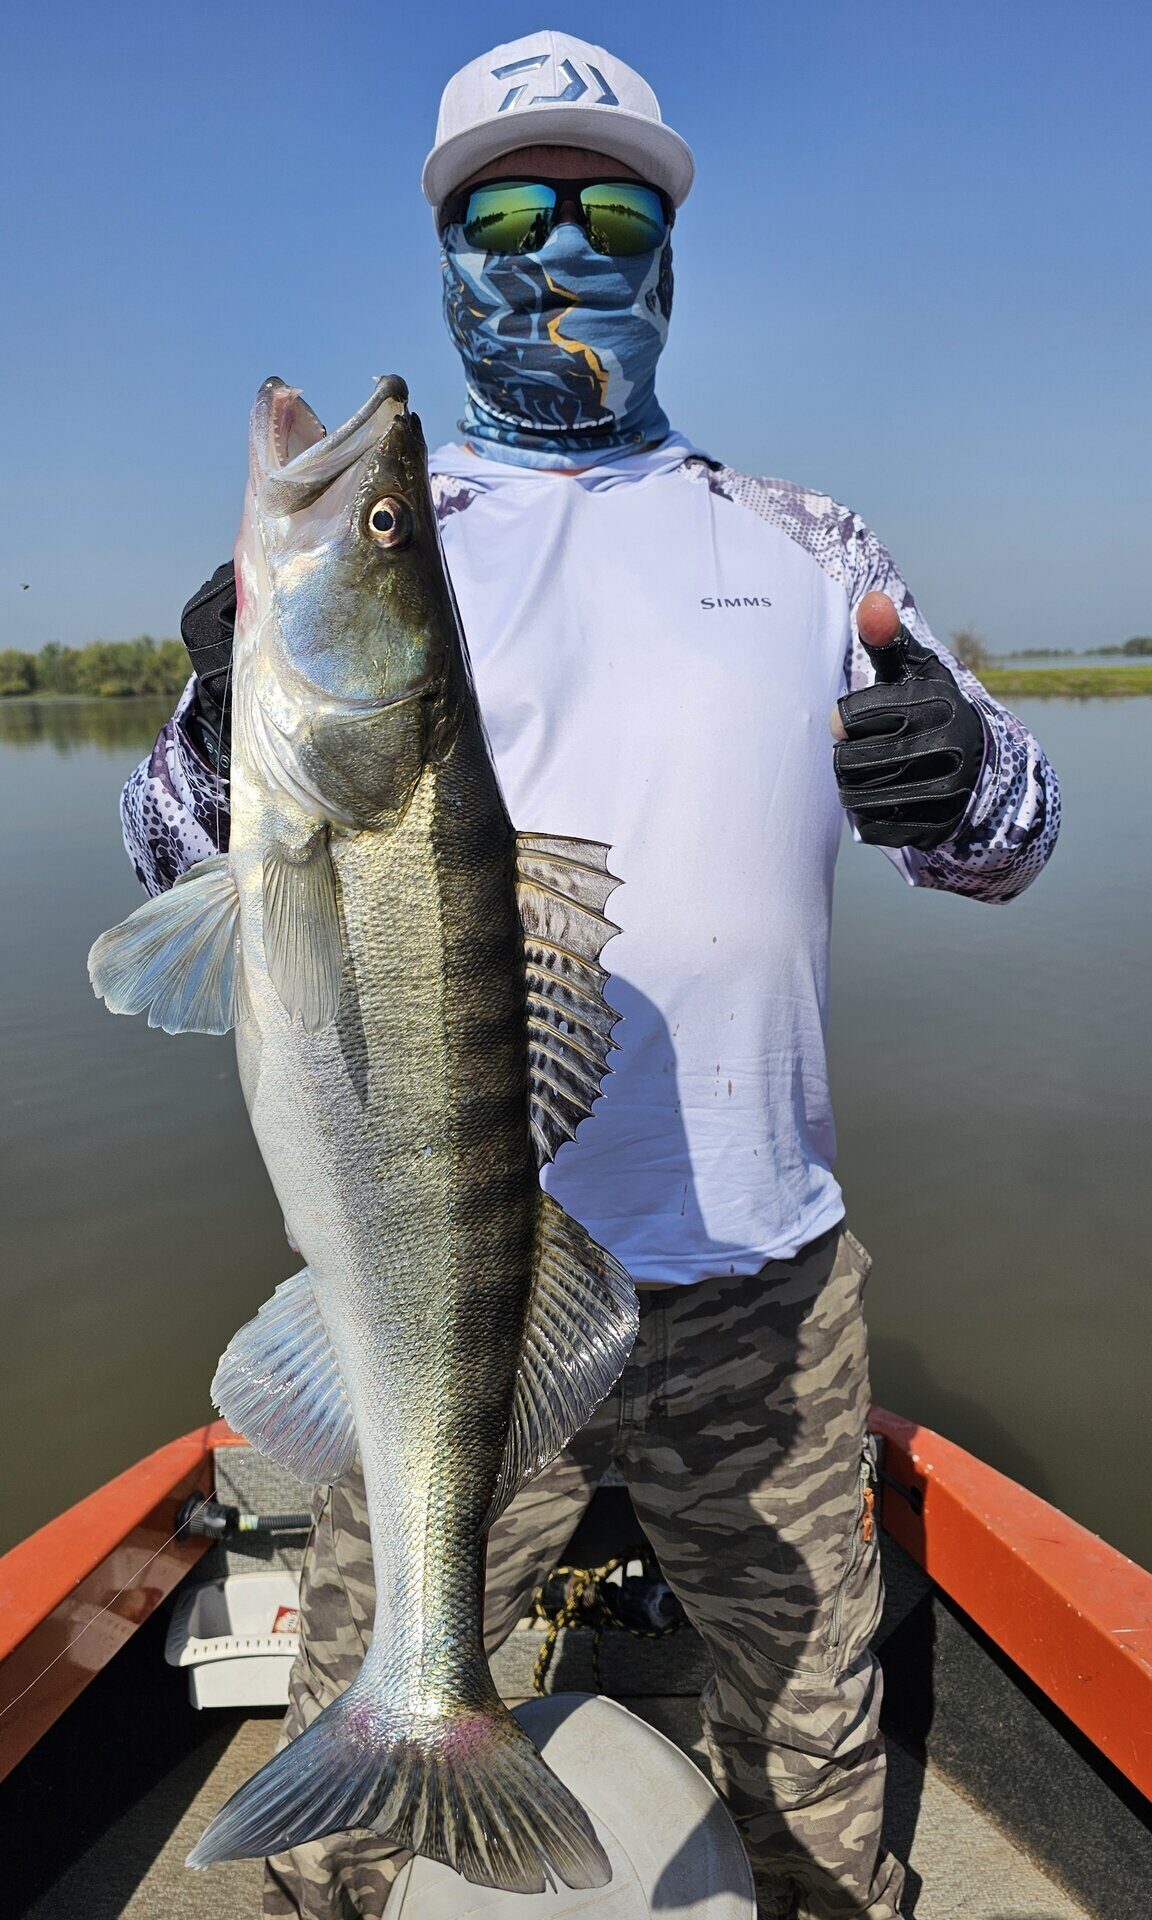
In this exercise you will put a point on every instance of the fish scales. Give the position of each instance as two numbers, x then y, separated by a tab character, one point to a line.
416	995
413	1271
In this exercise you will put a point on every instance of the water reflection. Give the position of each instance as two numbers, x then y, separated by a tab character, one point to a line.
990	1069
66	724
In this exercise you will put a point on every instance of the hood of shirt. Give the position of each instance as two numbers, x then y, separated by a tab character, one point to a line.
485	474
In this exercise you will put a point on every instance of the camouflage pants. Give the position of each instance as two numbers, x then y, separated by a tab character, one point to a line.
739	1427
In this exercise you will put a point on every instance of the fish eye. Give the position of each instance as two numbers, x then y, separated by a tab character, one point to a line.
388	522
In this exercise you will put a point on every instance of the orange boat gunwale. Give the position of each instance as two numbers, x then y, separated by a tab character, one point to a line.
1071	1612
72	1593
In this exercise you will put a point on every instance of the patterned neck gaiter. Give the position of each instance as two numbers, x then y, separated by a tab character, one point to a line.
559	347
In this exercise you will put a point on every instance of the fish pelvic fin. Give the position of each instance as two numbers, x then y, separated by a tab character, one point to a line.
302	942
279	1383
177	955
581	1325
468	1789
561	888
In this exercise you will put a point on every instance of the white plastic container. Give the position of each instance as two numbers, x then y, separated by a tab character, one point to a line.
673	1845
238	1638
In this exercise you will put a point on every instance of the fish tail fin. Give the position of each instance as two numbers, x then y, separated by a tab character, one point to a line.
469	1789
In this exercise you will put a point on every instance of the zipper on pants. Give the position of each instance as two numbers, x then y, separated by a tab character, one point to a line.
863	1535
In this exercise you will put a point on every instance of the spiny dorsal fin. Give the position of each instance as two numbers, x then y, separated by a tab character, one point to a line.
279	1384
302	944
176	955
581	1324
561	887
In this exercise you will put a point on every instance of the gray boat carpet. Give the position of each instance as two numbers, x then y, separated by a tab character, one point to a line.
103	1812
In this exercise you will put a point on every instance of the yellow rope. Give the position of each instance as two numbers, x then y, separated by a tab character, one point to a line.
583	1605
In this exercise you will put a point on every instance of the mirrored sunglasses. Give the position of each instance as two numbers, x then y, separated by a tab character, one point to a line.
620	217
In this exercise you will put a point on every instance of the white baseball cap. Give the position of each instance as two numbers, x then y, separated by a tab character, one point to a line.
555	90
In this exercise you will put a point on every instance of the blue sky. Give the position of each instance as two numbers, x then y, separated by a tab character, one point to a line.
914	272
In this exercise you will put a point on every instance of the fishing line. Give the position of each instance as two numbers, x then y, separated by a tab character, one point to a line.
404	1892
225	709
35	1682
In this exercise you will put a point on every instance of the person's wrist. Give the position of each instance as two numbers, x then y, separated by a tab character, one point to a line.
207	627
982	771
209	732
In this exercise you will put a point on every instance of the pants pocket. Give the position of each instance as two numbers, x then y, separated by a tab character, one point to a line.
861	1258
859	1598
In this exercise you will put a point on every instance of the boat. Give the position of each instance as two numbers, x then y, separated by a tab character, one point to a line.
1016	1646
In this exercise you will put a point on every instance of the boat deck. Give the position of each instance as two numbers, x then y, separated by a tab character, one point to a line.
968	1868
1066	1842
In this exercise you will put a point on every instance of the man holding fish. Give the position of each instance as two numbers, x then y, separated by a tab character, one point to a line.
656	641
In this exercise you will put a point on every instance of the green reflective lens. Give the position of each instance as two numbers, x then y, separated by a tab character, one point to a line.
516	216
624	217
509	216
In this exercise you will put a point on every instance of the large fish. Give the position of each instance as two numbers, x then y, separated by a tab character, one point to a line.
417	998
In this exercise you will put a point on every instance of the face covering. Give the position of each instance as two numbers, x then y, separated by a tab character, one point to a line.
559	347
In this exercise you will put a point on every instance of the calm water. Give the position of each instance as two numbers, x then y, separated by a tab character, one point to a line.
1024	663
991	1067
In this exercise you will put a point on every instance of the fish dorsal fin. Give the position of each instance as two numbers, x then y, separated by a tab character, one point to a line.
176	955
561	888
302	943
279	1384
581	1324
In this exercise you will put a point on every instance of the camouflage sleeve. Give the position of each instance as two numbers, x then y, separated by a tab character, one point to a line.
1010	828
174	808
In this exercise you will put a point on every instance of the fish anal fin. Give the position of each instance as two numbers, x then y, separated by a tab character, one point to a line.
580	1328
302	944
177	955
279	1384
562	886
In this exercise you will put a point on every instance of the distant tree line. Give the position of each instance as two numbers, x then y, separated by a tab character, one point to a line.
116	668
1140	644
107	668
974	652
1043	653
1134	649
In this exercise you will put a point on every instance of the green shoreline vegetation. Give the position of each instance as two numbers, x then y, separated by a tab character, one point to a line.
1067	683
105	670
123	669
1056	683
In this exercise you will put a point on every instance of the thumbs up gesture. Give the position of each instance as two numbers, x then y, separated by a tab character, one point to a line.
910	748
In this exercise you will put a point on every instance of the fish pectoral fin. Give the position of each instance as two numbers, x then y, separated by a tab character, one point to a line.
302	945
279	1384
561	888
581	1325
177	955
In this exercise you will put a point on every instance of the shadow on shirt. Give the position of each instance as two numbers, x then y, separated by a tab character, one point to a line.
738	1428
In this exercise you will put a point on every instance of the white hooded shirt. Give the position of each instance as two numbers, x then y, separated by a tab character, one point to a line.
657	644
656	666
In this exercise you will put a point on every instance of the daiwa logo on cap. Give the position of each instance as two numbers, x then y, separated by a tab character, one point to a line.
552	89
576	88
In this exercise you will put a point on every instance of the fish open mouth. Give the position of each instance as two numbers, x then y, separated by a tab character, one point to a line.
294	457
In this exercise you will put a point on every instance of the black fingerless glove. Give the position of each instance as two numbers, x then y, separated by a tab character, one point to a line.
207	625
914	751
